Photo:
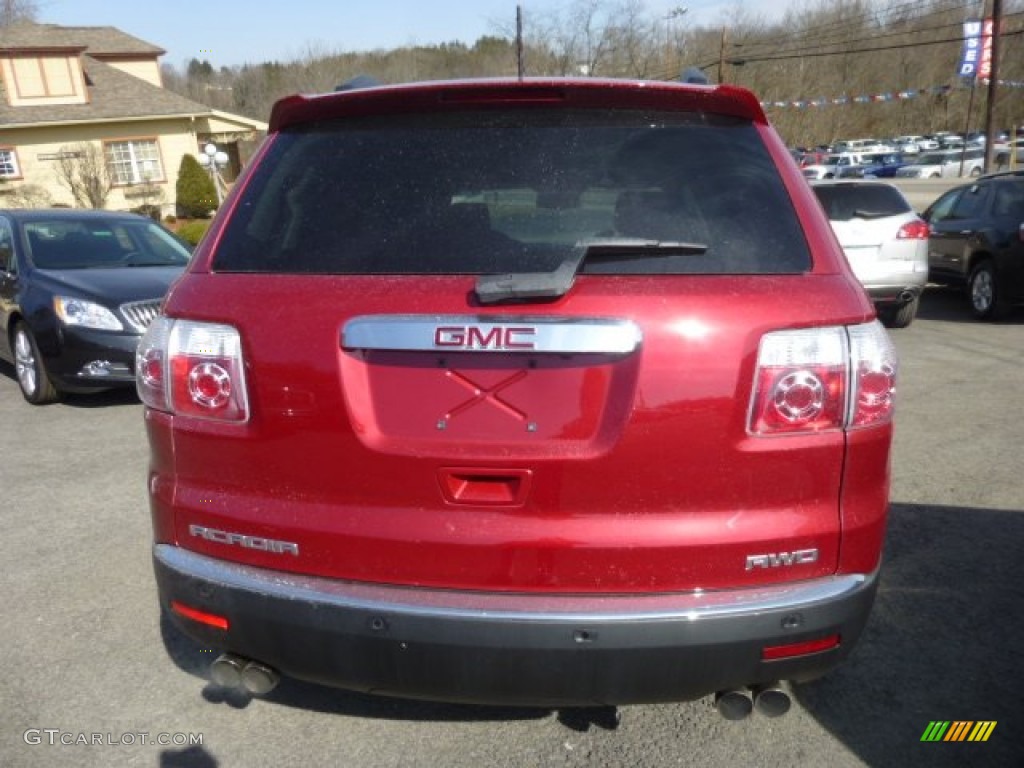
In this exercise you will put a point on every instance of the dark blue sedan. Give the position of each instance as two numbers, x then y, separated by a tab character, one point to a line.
77	290
877	166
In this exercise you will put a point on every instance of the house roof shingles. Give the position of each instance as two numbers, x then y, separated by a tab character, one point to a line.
98	41
113	94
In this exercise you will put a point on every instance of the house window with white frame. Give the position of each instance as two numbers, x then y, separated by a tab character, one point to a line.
8	164
134	162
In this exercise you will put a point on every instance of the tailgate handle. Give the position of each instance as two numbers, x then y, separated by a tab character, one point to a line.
485	487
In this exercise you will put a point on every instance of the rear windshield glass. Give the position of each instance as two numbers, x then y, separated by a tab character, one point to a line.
843	202
516	191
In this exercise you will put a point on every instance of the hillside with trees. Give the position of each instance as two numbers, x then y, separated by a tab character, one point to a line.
827	69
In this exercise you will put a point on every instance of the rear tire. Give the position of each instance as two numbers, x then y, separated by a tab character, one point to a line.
901	316
983	291
34	381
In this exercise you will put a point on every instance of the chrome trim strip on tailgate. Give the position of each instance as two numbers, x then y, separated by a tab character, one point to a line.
490	333
544	608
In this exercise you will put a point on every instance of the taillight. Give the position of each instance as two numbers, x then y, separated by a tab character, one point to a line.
192	369
819	379
913	230
873	366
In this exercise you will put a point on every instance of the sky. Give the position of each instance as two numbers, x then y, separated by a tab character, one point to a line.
235	32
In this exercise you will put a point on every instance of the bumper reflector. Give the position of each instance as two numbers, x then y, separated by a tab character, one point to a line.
210	619
773	652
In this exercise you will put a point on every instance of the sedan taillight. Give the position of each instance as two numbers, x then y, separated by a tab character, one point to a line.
192	369
818	379
913	230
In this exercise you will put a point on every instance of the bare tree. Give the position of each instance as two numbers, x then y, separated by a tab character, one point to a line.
13	11
84	171
28	196
827	69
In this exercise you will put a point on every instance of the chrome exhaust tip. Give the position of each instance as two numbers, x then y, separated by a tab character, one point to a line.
733	704
771	700
259	679
232	671
226	670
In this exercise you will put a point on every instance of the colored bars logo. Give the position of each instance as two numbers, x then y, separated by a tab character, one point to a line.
958	730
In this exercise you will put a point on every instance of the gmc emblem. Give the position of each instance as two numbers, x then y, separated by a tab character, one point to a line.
484	337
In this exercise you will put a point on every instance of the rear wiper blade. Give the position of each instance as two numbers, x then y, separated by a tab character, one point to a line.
491	289
862	214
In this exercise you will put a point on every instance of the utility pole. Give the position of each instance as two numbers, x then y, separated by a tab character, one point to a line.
519	40
990	107
721	57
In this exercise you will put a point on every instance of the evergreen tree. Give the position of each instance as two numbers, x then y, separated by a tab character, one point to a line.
196	195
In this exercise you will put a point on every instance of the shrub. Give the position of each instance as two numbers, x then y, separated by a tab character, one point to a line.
196	195
192	231
27	196
153	211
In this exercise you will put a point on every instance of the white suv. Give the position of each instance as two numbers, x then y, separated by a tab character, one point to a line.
946	165
885	242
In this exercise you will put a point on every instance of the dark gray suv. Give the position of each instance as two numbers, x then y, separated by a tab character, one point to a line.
977	240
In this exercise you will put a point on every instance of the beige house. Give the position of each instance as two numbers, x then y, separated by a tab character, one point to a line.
69	95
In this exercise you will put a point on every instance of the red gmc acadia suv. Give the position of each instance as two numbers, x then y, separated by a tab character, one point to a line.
541	392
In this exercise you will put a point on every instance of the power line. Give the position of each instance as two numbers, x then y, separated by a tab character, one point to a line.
816	47
839	27
813	49
894	47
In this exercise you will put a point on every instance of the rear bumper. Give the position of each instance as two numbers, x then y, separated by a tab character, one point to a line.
897	289
540	650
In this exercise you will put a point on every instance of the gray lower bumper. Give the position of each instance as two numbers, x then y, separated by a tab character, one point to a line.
544	650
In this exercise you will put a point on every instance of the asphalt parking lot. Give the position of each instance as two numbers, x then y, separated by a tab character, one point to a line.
87	658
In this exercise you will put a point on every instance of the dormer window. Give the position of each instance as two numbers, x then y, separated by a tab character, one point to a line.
44	77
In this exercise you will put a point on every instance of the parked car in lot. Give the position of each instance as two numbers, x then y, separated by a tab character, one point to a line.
833	165
77	290
912	144
877	166
927	165
945	164
544	392
977	240
863	146
1011	151
885	242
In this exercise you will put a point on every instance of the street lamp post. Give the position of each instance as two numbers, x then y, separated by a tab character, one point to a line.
213	160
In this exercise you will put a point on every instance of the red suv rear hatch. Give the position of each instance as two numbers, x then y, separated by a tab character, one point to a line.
521	338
